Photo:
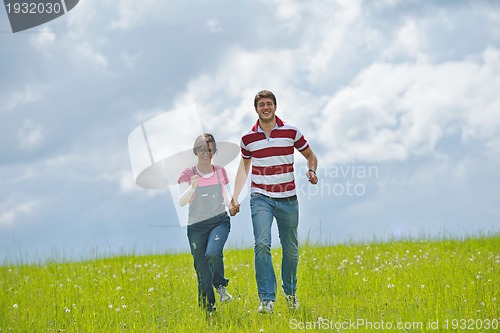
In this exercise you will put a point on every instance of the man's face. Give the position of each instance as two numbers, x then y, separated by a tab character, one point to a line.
266	109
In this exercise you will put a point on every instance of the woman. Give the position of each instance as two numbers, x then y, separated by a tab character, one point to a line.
203	186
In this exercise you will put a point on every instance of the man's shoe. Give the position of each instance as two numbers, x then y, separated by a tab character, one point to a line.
266	307
224	296
293	302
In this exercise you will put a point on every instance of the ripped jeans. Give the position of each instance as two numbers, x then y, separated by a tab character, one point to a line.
207	240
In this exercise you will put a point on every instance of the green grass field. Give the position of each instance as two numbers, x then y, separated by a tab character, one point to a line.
402	286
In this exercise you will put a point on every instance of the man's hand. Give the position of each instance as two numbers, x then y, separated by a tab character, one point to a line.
234	207
312	164
311	175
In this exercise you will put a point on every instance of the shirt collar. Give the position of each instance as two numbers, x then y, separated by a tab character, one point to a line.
279	123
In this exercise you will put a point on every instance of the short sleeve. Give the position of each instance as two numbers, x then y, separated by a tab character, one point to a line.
245	153
185	176
300	141
223	175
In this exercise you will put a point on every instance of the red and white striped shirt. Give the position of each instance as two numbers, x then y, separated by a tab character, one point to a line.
272	158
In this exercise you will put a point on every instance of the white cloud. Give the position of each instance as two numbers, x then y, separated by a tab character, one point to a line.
130	13
483	119
18	98
89	164
340	31
245	80
11	215
86	51
214	25
143	115
30	135
14	175
394	3
130	60
409	40
127	183
288	10
44	39
82	17
494	17
134	13
327	35
392	112
128	186
87	33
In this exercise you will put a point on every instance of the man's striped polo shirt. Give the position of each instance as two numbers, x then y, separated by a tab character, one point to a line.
272	158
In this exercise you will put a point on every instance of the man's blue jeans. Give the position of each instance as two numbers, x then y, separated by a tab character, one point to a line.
207	240
264	209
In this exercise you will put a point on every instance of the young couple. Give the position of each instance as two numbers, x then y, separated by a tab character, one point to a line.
268	150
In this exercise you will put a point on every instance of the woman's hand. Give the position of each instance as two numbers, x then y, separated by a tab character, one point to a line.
234	207
194	181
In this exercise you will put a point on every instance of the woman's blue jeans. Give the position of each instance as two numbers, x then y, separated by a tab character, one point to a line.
207	240
264	209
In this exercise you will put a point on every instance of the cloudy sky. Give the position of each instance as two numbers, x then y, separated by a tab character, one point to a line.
398	98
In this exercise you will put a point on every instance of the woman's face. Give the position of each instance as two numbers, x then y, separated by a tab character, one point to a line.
206	152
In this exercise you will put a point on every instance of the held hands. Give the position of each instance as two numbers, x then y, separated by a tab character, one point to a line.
311	175
234	207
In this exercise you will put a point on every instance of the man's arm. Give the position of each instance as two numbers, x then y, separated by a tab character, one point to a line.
239	182
312	165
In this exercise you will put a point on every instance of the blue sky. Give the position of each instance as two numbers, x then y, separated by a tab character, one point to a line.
398	98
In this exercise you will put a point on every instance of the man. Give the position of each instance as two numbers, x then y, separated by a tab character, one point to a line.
268	147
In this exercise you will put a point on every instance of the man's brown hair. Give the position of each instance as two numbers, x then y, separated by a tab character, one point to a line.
264	94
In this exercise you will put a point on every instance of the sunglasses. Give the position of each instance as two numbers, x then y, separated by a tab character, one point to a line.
205	150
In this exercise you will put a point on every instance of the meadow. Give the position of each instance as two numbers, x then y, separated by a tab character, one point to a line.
401	286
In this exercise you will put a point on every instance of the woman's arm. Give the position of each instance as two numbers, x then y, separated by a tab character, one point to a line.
187	190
